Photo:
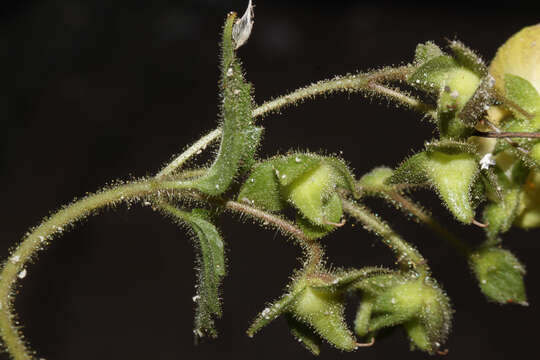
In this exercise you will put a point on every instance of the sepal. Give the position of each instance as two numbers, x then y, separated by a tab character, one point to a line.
374	181
304	334
500	215
425	52
262	189
467	58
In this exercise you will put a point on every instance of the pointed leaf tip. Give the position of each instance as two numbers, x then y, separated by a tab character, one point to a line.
242	28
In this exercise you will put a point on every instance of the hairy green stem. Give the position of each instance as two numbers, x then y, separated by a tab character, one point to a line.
312	248
193	150
37	238
368	83
406	252
407	205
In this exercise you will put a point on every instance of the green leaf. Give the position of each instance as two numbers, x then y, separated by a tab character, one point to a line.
500	275
240	137
468	58
262	188
211	267
254	135
521	91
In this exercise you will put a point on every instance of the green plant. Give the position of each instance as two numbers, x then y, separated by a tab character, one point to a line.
321	189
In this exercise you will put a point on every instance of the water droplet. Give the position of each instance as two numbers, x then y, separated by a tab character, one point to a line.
15	259
195	298
22	274
297	159
229	71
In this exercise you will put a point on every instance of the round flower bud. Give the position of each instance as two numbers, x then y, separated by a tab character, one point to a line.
519	55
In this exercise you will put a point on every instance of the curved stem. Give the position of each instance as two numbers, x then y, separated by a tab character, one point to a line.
367	82
312	248
372	222
38	237
407	205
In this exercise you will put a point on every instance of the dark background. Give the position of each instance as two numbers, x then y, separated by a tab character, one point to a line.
93	91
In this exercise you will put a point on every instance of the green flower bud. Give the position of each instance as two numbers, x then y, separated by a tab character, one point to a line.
314	308
454	175
454	83
306	181
451	168
310	192
500	275
418	304
515	70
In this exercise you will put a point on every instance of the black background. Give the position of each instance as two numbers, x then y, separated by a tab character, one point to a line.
93	91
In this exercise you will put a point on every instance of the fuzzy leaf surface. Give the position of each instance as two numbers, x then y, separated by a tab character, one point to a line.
211	269
240	137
